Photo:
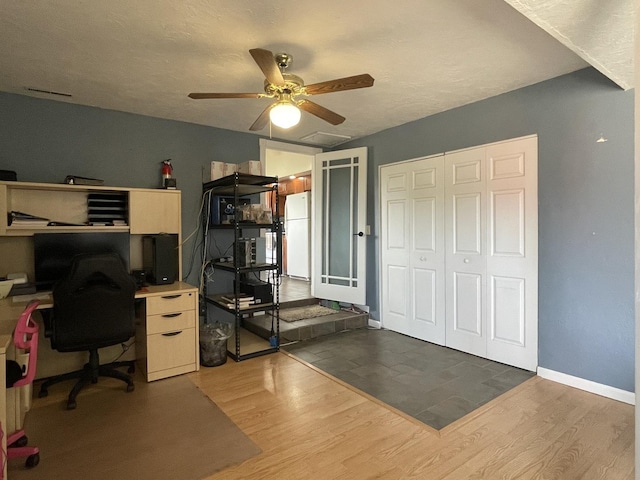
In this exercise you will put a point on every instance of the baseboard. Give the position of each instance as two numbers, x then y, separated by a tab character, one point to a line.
375	323
589	386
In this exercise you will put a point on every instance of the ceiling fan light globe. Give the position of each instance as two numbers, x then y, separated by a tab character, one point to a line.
285	115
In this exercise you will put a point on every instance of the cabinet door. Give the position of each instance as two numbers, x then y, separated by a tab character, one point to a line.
154	211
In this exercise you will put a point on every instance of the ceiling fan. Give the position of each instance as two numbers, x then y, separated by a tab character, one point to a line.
286	88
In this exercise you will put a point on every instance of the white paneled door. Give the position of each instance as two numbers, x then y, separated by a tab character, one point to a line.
512	253
339	199
485	278
465	215
412	199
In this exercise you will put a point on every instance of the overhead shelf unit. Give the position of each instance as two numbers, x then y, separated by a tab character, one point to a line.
236	213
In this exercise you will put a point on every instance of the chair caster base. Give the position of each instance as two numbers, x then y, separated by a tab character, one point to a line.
32	460
21	442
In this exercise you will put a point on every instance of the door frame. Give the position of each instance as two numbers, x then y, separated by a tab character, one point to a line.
265	145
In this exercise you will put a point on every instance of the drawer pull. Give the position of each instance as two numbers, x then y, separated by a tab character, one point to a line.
171	297
172	334
172	315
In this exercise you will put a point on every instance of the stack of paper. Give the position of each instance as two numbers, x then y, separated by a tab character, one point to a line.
26	219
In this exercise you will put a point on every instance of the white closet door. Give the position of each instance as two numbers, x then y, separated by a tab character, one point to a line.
465	251
412	243
512	253
476	235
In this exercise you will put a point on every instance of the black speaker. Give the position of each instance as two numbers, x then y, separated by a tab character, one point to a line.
160	258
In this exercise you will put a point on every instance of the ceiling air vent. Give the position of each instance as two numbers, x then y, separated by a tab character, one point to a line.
325	139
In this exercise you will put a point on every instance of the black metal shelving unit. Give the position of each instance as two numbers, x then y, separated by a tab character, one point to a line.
240	186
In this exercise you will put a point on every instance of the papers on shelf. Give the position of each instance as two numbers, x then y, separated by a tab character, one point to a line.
31	296
26	219
244	301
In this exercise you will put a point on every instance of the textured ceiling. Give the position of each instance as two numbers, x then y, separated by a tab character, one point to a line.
426	56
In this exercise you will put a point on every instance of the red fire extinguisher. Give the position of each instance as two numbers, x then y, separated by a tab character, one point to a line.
167	171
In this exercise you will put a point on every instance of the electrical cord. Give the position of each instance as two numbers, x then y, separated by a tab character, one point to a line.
194	232
125	349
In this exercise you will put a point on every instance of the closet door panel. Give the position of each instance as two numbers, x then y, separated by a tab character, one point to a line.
507	310
465	226
397	298
512	257
425	303
413	238
467	301
395	264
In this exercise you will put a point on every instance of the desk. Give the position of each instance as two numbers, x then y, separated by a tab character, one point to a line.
166	342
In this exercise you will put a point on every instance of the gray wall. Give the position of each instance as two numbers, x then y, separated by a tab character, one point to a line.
585	191
586	286
44	141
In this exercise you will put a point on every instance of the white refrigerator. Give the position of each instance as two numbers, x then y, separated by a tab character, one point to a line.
297	229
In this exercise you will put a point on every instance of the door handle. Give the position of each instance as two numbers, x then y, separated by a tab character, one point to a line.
172	334
171	315
170	297
359	234
466	260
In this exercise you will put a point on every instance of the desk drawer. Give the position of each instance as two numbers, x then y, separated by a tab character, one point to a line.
169	322
170	350
170	303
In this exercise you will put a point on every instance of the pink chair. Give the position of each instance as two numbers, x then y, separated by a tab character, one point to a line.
25	337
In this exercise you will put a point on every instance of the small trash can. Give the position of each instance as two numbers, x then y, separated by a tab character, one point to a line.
213	343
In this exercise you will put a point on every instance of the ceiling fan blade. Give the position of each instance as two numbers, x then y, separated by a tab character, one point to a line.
268	65
198	96
340	84
262	120
319	111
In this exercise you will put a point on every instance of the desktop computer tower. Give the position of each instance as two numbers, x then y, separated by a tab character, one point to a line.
160	258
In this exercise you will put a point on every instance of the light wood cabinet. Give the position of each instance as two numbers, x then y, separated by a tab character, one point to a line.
154	211
167	331
167	342
149	211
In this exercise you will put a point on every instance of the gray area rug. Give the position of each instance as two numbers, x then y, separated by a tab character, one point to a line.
434	384
302	313
164	430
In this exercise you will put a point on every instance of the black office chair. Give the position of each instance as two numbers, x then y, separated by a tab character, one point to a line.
93	307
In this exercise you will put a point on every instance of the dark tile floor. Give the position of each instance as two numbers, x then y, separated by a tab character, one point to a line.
295	293
433	384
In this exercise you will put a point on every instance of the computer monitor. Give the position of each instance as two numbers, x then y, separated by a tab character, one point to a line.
54	252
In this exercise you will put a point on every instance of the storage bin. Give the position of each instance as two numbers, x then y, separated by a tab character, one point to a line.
213	344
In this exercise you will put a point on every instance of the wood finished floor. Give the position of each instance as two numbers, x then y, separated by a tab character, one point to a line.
311	426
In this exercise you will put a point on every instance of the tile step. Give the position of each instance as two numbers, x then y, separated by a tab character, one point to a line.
307	328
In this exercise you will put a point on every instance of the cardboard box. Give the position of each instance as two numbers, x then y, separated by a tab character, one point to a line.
217	171
229	168
223	169
252	167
